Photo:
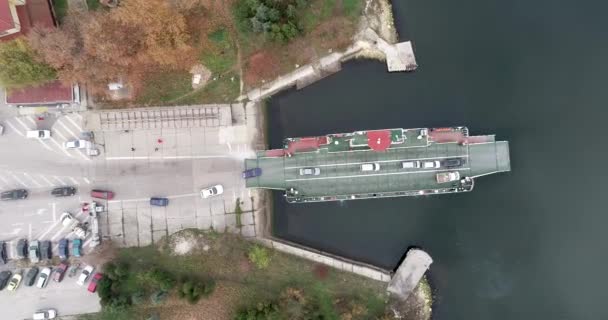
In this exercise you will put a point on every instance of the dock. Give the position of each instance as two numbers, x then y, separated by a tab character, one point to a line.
409	273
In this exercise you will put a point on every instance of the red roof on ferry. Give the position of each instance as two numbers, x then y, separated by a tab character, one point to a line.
379	140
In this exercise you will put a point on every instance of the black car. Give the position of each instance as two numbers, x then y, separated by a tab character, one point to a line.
63	191
30	276
63	249
22	249
4	277
46	250
3	257
452	163
14	194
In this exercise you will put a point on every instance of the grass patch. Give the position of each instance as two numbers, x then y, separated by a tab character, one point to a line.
93	5
164	87
238	212
61	9
352	8
221	56
225	88
327	8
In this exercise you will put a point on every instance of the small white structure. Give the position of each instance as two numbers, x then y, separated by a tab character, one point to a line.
409	273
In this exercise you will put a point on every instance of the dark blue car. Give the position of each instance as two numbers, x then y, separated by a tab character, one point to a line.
63	249
251	173
159	202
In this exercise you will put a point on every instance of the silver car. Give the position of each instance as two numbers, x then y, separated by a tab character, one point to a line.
310	171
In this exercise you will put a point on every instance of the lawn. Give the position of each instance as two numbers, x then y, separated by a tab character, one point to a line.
93	5
239	283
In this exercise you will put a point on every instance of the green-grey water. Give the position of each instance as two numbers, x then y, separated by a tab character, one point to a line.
529	244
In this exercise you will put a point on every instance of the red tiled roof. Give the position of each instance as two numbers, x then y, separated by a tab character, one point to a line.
33	13
6	18
50	93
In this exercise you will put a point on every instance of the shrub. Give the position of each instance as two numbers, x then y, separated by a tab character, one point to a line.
193	291
278	20
259	256
160	279
262	311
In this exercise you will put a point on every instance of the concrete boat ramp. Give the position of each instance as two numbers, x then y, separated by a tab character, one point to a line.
409	273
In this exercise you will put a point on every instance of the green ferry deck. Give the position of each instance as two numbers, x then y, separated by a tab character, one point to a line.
336	163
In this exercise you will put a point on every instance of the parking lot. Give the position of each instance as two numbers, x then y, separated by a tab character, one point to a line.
67	297
175	160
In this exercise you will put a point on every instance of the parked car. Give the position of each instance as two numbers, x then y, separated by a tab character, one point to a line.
16	194
76	245
45	314
410	164
310	171
30	276
14	283
34	251
374	166
68	220
452	162
3	257
102	194
77	144
60	272
43	278
93	285
46	250
63	249
38	134
443	177
63	191
4	277
159	202
251	173
84	275
22	249
431	164
212	191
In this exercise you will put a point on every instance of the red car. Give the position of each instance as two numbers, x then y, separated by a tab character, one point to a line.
102	194
60	272
93	284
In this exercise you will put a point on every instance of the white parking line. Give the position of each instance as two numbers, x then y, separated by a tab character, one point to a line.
74	180
18	180
49	229
74	123
44	144
47	181
86	180
67	129
54	206
30	177
60	147
5	181
80	152
29	237
60	181
27	128
31	120
14	128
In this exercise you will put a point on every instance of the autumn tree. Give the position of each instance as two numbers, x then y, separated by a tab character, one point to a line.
122	43
20	66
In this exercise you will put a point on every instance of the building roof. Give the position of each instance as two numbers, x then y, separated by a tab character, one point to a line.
50	93
6	18
33	13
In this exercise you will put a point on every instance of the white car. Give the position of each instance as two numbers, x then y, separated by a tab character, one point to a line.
45	314
431	164
77	144
212	191
84	275
68	220
38	134
43	278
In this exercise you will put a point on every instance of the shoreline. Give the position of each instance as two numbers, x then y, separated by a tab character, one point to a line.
376	39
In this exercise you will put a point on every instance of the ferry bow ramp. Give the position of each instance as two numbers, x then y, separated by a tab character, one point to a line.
378	164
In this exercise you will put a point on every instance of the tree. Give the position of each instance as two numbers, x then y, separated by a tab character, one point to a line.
270	14
20	65
193	291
